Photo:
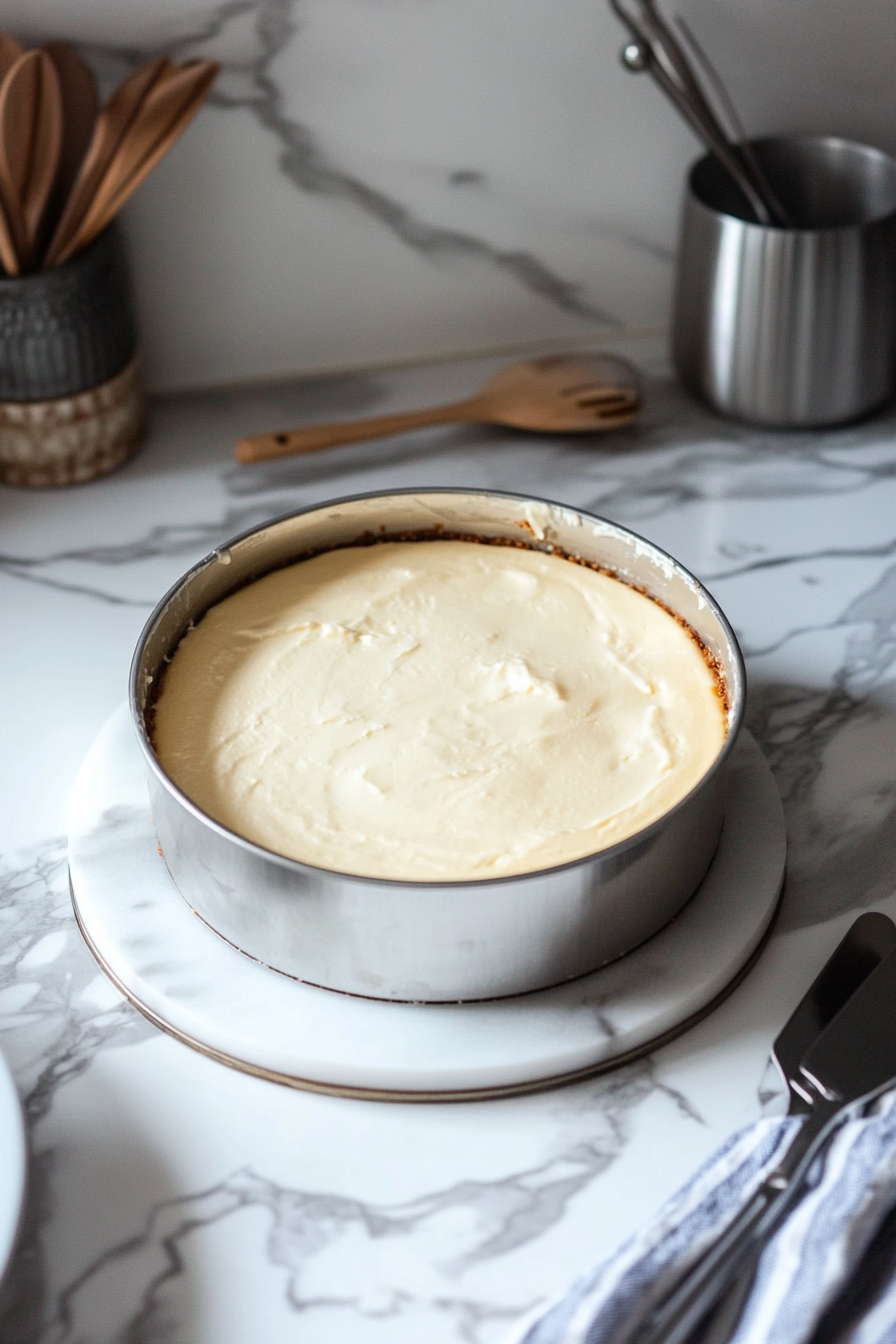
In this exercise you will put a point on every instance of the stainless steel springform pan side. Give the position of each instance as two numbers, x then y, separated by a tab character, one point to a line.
438	941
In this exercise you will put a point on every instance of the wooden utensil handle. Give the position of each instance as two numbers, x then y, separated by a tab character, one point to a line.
260	447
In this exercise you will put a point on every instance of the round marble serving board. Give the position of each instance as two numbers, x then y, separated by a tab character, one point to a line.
196	986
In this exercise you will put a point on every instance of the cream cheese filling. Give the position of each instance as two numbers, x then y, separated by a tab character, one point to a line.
438	710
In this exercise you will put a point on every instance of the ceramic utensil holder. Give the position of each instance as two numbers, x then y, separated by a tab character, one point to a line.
71	404
792	327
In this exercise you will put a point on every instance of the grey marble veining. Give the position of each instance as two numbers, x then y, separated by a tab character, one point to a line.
248	82
376	181
58	1012
174	1199
305	1227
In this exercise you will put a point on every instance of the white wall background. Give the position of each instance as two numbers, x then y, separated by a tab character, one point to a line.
378	180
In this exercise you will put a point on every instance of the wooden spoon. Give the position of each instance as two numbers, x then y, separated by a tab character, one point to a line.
111	125
181	99
80	104
9	52
30	145
163	116
560	394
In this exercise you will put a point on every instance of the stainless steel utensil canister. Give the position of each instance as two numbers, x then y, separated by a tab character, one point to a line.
791	326
436	941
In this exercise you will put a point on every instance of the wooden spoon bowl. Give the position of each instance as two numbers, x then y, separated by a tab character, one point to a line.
30	145
559	394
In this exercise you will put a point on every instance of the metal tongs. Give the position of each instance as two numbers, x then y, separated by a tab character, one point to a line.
657	49
837	1054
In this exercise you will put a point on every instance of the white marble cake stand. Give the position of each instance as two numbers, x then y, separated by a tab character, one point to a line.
200	989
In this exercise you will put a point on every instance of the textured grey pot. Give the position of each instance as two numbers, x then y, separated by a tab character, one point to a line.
68	329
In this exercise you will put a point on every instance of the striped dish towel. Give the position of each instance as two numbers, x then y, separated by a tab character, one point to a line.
804	1269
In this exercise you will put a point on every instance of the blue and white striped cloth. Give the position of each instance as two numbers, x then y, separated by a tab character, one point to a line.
851	1189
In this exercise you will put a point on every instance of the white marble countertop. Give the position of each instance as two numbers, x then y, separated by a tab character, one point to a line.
171	1198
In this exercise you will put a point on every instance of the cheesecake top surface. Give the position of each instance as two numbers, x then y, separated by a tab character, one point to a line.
438	711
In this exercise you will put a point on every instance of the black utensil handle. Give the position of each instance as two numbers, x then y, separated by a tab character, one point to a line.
724	1319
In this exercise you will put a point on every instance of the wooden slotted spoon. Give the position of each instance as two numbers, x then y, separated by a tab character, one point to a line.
559	394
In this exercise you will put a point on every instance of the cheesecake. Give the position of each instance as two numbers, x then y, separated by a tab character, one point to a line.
439	710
